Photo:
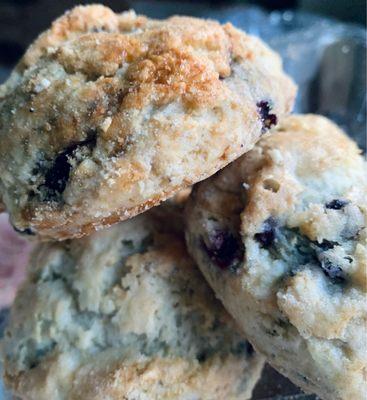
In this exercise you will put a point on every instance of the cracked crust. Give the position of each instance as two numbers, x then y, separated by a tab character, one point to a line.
109	114
280	234
124	314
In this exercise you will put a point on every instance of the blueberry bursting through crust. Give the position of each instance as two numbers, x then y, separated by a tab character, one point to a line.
302	253
224	249
57	176
336	204
267	236
267	118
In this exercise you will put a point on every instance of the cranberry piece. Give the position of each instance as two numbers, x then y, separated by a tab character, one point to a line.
268	234
267	119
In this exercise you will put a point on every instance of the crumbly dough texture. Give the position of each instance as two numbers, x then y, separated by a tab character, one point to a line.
108	114
280	234
124	314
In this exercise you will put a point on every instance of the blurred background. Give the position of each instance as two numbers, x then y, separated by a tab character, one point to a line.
323	46
22	20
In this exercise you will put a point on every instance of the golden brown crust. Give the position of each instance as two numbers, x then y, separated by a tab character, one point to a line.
215	380
302	145
65	227
108	114
163	379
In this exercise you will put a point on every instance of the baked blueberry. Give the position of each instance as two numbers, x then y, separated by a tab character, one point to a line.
268	233
267	118
57	176
336	204
224	249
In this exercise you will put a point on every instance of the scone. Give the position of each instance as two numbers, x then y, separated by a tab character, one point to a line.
280	235
171	215
109	114
123	314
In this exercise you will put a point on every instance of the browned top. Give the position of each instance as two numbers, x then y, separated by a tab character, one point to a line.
161	104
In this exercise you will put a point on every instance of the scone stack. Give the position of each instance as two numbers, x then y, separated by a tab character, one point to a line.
107	116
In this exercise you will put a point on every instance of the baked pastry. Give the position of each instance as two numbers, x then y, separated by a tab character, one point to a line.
280	234
171	215
123	314
108	114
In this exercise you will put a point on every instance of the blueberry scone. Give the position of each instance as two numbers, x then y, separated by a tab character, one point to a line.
170	214
108	114
280	234
123	314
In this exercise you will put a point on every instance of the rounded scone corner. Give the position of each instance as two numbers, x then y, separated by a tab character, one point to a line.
280	234
123	314
107	115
